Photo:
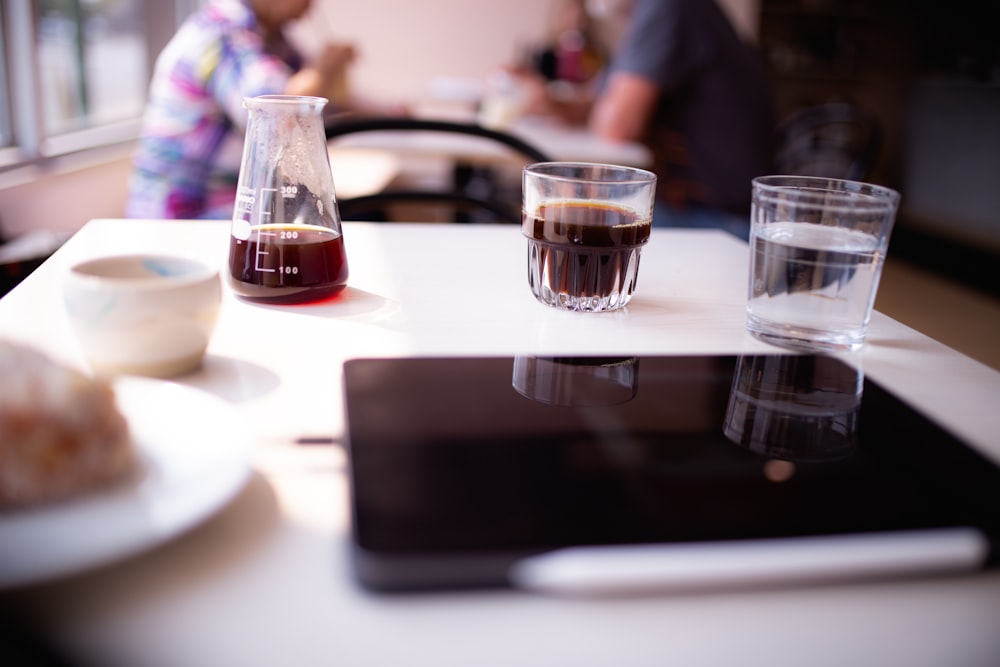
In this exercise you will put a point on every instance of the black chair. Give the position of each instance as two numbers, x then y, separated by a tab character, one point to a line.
473	193
834	140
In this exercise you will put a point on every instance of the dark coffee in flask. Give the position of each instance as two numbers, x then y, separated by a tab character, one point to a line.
287	244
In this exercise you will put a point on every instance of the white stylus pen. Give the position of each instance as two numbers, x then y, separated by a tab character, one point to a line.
646	568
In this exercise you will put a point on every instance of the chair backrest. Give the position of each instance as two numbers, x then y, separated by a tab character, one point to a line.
472	194
835	140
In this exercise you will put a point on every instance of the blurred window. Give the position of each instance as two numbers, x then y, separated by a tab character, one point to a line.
5	133
92	61
75	72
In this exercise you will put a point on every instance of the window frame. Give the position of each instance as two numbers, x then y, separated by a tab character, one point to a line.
22	119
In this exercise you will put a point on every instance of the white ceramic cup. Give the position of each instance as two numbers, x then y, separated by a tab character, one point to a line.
143	314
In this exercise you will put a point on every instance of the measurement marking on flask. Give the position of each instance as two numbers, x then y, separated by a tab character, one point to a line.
263	218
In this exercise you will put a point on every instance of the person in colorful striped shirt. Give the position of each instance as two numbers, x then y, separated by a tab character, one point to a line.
190	147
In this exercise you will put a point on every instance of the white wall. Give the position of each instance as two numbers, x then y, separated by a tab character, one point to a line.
405	43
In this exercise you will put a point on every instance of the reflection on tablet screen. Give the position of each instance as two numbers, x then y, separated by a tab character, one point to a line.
463	467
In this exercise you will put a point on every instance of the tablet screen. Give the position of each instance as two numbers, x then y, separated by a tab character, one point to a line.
461	466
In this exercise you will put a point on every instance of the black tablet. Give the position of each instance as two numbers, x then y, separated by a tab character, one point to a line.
613	474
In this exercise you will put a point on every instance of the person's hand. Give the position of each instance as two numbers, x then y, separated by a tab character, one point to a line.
568	103
326	75
334	60
530	90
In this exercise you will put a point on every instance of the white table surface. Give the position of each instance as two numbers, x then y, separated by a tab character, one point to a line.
266	581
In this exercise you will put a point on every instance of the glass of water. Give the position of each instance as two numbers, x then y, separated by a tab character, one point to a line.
817	248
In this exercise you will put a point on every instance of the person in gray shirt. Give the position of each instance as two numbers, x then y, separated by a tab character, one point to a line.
686	84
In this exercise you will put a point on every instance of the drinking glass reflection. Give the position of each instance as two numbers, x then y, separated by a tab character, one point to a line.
576	381
796	408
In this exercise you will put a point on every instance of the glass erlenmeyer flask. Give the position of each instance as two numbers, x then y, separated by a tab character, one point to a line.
286	244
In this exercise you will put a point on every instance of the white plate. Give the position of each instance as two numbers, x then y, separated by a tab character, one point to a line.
194	457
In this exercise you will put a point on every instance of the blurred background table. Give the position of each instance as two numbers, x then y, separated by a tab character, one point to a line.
456	154
560	141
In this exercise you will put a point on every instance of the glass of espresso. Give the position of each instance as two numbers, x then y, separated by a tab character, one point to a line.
586	225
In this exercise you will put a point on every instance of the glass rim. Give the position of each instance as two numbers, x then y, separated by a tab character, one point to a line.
89	272
821	189
551	170
284	99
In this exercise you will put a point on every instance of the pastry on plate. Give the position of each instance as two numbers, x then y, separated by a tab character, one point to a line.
61	432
